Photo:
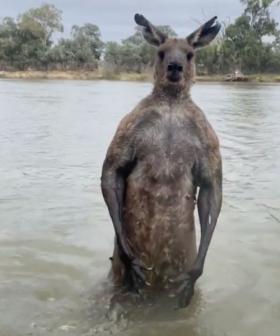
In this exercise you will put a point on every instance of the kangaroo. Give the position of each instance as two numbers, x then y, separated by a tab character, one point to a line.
163	154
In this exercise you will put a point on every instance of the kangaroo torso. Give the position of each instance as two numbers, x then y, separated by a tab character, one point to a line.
158	211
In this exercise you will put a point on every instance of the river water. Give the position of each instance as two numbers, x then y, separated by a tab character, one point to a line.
56	235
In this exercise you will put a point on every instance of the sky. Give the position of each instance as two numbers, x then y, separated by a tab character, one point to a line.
115	17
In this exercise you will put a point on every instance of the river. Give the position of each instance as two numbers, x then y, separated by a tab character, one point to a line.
56	235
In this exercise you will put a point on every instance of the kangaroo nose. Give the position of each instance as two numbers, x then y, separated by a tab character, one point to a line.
175	67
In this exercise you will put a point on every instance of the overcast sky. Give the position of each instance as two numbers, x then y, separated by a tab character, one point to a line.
115	17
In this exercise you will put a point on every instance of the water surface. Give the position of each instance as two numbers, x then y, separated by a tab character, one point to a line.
56	235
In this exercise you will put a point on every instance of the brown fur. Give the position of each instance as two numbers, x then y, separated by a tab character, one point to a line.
159	203
174	150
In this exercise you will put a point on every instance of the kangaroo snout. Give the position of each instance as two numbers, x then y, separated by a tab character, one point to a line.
174	72
175	67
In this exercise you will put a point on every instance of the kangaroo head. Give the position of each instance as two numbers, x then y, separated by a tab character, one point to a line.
175	63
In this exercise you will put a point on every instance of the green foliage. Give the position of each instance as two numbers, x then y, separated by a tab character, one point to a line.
121	57
208	60
24	43
27	42
250	44
82	50
258	13
88	36
41	22
8	41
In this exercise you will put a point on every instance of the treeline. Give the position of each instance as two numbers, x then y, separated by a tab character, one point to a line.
26	42
250	44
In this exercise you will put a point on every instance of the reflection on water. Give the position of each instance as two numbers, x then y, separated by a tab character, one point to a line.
56	235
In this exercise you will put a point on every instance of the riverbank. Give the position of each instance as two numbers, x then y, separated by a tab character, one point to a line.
101	75
75	75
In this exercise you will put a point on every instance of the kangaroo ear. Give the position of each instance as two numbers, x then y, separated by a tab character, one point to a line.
204	34
150	33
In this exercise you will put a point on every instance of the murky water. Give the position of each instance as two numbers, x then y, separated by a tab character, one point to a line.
56	235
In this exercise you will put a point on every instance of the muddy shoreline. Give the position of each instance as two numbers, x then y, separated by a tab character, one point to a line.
103	75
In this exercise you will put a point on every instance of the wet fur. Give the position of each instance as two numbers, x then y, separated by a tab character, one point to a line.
162	152
172	146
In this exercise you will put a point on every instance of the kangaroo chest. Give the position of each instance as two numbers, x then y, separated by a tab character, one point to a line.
166	145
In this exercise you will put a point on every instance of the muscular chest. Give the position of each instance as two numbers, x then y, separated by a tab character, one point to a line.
167	137
166	146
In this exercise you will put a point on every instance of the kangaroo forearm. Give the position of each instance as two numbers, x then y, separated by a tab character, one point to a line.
113	193
209	206
111	199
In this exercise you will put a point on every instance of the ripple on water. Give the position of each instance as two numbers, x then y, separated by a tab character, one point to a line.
56	235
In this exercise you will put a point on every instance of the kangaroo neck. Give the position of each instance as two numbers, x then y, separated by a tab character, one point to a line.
171	94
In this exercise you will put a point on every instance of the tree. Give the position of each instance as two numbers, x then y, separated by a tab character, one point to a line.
88	36
258	12
32	36
27	42
41	22
62	56
251	43
81	51
8	42
208	60
244	46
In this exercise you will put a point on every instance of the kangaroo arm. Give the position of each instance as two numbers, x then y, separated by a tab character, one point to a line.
113	190
209	206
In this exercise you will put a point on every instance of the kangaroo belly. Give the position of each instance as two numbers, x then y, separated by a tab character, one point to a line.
159	222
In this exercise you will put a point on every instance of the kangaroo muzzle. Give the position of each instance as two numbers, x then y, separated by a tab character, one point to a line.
174	72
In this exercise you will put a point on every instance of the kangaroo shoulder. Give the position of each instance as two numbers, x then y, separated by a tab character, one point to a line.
205	129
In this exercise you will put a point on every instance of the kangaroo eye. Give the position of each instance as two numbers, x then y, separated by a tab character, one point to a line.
190	56
161	55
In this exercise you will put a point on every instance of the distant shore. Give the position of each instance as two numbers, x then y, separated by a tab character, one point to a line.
143	77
